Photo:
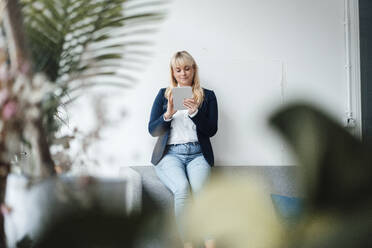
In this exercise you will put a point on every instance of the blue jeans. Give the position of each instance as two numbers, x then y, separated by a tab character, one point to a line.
183	169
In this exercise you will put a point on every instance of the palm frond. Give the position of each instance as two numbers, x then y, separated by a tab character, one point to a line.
67	36
80	44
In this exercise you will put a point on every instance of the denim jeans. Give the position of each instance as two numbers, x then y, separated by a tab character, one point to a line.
183	170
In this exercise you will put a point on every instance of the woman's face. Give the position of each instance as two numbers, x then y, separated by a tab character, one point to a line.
184	75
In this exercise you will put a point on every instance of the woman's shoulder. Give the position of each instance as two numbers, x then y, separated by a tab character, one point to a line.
162	91
209	93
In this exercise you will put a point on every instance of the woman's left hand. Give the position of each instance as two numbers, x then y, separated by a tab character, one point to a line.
191	105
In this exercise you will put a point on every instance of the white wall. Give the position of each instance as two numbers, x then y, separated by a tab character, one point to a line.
255	55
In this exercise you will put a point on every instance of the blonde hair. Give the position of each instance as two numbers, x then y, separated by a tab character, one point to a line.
183	58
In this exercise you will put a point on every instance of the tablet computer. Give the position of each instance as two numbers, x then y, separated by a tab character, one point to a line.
180	93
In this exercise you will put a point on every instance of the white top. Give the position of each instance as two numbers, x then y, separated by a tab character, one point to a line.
183	129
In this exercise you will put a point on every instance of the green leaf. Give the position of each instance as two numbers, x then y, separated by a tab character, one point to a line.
68	39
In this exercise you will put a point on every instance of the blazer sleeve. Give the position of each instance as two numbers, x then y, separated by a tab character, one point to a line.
157	125
206	121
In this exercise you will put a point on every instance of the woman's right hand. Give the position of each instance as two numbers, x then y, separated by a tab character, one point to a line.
170	108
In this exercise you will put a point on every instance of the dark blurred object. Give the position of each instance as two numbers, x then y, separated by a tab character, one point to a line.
26	242
365	41
337	181
87	228
94	228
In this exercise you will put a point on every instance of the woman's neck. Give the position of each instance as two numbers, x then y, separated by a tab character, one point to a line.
180	85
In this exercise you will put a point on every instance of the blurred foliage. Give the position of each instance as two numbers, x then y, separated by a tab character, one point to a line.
51	52
61	32
335	181
77	43
336	177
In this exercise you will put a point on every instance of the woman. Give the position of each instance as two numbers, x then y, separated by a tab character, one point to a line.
183	154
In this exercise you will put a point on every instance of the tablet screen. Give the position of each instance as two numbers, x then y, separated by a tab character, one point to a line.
180	93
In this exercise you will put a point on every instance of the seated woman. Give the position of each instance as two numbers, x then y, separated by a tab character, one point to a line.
183	153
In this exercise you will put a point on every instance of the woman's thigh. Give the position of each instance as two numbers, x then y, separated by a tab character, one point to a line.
171	172
198	171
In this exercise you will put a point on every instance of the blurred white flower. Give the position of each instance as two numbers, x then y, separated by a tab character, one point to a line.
32	113
40	87
20	83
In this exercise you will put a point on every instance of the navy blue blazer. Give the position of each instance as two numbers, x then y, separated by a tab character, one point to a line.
205	121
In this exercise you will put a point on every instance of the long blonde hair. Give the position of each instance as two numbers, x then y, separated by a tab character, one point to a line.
183	58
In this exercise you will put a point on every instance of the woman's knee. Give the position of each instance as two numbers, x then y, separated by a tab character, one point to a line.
182	189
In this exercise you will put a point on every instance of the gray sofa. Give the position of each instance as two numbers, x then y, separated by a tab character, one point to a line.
281	180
